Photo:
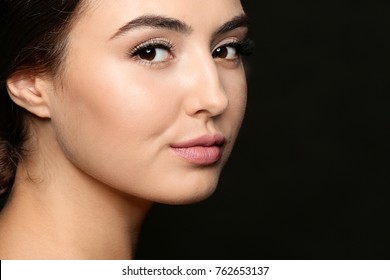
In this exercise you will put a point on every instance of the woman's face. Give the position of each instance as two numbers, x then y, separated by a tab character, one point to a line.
153	95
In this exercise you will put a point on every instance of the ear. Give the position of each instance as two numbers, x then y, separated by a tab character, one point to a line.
30	92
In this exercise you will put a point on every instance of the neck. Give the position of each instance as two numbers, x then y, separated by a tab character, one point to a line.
66	214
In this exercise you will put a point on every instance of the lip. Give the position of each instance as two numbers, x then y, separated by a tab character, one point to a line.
203	150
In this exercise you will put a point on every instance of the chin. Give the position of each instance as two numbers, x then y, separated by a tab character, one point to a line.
188	194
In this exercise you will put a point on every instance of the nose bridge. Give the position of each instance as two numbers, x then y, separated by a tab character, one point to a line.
207	94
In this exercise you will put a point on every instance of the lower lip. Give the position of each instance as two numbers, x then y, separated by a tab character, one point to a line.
200	155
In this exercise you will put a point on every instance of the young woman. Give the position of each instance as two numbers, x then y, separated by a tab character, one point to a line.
106	107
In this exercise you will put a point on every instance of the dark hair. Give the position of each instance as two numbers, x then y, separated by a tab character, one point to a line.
32	37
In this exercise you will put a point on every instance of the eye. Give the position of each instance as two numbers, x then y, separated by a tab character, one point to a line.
153	52
234	50
228	52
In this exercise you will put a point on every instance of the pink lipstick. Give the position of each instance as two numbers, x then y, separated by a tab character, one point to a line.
204	150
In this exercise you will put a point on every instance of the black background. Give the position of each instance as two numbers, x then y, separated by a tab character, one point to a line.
309	177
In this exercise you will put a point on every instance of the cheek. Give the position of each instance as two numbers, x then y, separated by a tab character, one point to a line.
112	126
111	101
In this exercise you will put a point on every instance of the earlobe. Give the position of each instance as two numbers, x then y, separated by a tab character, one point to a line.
28	92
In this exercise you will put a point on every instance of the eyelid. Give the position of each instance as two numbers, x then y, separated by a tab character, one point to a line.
226	42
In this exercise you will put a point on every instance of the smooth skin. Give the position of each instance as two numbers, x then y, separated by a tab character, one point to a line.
138	77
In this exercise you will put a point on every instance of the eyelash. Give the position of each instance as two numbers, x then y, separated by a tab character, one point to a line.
243	48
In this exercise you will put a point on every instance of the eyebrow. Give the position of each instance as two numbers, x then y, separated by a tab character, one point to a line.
176	25
155	21
236	22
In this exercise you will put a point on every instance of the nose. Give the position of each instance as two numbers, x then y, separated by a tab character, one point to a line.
206	95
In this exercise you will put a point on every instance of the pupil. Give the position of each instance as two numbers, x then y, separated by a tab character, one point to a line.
221	52
148	54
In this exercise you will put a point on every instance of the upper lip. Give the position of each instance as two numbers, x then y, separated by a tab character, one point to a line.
204	140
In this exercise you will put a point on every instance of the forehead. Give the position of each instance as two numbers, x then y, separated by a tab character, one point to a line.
107	16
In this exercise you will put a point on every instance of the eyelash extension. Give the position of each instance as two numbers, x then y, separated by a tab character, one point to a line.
154	43
243	47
